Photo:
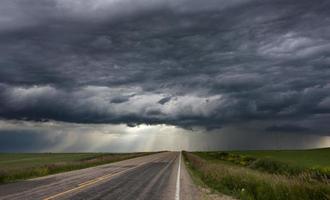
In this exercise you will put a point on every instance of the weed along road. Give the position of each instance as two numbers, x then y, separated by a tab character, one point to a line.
160	176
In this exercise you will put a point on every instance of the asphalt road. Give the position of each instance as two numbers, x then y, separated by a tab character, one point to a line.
160	176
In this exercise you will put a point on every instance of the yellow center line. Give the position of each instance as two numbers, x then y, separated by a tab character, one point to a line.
99	178
88	183
93	181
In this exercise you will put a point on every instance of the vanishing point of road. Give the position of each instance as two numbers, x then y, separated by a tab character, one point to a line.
160	176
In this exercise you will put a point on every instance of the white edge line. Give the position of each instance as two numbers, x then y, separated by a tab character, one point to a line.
177	193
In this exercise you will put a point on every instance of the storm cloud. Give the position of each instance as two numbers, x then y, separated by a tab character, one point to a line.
185	63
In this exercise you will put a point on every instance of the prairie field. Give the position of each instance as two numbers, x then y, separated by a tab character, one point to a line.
262	175
304	158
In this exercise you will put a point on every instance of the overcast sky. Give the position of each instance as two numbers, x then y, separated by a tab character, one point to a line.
142	75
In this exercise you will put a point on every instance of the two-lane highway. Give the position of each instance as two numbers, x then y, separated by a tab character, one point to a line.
158	177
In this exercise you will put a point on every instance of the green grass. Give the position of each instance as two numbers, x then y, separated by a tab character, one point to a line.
304	158
259	175
16	161
17	166
307	163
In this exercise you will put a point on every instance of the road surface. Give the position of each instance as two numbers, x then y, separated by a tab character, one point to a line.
161	176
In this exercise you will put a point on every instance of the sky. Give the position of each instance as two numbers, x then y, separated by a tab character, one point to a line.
149	75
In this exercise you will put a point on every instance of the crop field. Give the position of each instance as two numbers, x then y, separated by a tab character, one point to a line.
18	166
258	175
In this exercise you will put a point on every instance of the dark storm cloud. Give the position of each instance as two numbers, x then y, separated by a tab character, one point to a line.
121	99
184	63
164	100
287	128
25	141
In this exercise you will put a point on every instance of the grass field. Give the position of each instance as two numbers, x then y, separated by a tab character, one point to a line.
304	158
264	174
27	160
17	166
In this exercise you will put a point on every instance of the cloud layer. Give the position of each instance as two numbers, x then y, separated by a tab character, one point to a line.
208	64
23	136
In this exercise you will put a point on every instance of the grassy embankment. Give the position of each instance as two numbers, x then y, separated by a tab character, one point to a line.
265	174
21	166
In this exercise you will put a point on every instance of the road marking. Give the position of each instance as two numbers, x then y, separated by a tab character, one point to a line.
87	183
177	193
96	180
